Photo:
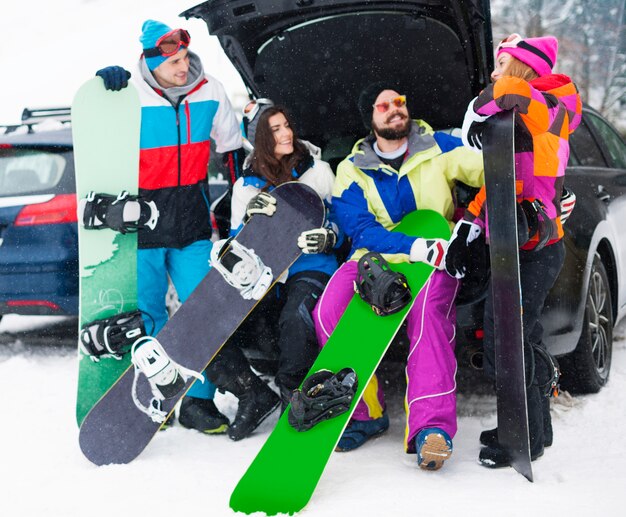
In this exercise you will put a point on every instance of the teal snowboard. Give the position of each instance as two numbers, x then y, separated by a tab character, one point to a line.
105	129
286	471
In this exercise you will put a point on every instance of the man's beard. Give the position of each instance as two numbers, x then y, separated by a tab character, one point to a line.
389	133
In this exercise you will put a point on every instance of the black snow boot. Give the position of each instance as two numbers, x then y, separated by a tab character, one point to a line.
490	436
547	422
202	415
230	371
494	456
257	401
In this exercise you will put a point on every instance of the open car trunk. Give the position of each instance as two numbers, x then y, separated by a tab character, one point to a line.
316	56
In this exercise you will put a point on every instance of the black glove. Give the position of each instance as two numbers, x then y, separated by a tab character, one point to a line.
115	77
475	134
472	129
320	240
457	255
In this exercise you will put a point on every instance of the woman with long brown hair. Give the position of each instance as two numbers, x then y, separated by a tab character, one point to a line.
278	157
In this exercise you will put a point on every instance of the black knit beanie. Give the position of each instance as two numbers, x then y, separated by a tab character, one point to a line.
368	97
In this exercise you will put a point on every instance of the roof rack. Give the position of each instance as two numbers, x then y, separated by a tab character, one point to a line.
32	116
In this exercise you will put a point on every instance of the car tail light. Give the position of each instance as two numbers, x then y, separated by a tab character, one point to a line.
30	303
60	209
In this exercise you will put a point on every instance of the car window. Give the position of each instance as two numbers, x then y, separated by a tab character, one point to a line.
583	148
612	141
27	170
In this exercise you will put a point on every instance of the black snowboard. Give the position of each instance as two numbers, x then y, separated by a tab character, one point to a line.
498	154
115	430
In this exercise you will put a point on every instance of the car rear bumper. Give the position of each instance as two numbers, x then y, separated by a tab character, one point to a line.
42	289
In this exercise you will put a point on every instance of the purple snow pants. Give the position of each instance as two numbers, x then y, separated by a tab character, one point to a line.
431	364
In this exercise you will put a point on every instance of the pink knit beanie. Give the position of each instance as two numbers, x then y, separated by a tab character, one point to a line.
538	53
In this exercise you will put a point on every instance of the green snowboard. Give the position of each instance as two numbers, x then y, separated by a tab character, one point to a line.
286	471
105	129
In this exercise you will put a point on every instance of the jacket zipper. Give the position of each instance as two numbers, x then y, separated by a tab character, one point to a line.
179	139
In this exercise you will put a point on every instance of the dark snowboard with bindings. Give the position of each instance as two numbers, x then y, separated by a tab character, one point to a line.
283	476
122	423
512	411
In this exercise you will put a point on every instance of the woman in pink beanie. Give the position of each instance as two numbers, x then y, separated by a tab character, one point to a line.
547	110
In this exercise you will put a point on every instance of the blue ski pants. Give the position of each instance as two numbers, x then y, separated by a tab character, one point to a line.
186	267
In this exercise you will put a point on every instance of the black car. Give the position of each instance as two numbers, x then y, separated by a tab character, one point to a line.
315	57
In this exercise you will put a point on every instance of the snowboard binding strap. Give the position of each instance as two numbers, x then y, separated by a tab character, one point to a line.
166	377
551	387
323	395
532	220
377	284
241	268
124	213
111	337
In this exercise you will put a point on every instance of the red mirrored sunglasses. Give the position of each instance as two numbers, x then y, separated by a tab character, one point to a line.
169	44
384	106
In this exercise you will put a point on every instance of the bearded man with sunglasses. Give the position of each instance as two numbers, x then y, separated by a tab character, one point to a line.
402	166
183	109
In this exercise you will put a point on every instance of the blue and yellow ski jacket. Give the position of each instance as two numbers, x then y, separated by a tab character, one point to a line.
371	198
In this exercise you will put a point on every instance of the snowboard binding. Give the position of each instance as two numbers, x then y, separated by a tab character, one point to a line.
124	213
551	369
111	337
166	377
377	284
323	395
532	219
241	268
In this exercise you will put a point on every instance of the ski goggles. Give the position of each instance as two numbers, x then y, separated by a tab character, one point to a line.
384	106
251	109
511	41
169	44
516	41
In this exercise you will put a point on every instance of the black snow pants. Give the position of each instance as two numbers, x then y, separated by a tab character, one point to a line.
285	315
538	272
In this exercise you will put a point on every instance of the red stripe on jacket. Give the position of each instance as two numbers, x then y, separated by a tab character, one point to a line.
159	167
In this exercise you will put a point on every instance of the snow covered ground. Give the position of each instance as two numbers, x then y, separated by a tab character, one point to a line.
182	472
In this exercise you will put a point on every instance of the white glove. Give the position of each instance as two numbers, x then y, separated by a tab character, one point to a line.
471	131
320	240
429	251
568	200
262	203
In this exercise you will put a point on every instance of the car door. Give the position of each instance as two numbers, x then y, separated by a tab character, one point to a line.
613	148
599	158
